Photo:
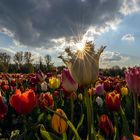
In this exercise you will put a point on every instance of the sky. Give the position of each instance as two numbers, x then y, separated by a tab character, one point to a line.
48	26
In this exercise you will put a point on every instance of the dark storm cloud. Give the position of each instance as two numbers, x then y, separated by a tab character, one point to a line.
34	22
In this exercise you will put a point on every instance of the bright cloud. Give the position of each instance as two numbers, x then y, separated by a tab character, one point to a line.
128	37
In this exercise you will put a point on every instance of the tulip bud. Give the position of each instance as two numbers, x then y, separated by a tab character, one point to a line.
58	123
99	101
80	96
124	91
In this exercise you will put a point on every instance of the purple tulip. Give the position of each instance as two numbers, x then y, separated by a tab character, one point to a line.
99	89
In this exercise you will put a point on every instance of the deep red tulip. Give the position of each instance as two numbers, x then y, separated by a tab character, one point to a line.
107	85
113	101
23	103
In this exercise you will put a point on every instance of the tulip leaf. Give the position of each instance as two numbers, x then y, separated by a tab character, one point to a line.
42	117
48	135
80	122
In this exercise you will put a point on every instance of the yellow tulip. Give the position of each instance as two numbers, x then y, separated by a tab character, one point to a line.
124	91
54	82
58	123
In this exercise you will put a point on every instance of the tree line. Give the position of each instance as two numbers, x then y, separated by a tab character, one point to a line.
23	62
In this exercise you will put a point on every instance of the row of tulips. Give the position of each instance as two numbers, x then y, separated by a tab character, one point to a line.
34	101
75	104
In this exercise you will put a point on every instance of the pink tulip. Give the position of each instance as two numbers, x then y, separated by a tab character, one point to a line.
132	77
68	83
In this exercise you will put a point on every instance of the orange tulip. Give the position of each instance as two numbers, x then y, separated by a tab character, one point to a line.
23	103
135	137
58	123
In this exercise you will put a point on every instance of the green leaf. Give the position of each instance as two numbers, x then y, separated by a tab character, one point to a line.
48	135
42	117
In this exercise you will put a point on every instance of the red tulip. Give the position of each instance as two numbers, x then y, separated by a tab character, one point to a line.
5	87
113	101
46	100
68	83
106	125
23	103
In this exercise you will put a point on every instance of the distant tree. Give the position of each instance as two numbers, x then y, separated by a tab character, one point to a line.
5	58
41	66
28	57
28	66
48	59
4	61
18	59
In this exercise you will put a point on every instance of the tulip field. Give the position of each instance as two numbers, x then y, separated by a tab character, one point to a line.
76	103
52	106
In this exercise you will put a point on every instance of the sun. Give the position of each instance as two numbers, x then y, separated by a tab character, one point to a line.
80	46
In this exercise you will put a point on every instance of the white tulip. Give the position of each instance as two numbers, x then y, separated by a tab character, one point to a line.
84	65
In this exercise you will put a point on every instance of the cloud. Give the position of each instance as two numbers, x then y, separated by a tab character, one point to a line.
130	6
110	58
128	37
36	23
9	51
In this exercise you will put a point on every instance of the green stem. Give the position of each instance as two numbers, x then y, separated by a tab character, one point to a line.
135	113
88	103
64	136
125	128
71	115
116	127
